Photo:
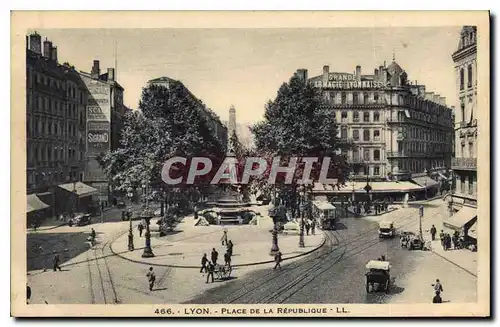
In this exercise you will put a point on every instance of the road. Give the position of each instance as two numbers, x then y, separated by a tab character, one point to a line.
336	273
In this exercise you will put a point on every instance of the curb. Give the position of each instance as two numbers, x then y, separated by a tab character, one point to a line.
49	228
454	263
197	267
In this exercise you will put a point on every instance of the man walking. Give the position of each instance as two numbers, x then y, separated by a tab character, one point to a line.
433	232
224	238
211	269
313	227
438	288
140	228
204	261
151	278
277	259
441	238
227	259
214	256
56	262
308	226
230	248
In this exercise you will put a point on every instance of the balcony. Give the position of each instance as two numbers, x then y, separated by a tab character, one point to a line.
397	120
398	154
464	164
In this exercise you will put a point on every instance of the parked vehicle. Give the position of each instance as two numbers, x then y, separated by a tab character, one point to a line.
120	204
386	229
378	277
80	220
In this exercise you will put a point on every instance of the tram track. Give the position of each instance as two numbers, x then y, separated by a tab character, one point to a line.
302	274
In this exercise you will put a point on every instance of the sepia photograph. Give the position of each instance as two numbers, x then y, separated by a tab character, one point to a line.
331	164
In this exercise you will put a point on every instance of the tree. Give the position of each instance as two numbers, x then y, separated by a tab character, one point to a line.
170	123
298	124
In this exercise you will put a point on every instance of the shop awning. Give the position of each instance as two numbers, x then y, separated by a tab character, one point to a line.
322	205
425	181
462	217
472	232
377	187
80	189
34	203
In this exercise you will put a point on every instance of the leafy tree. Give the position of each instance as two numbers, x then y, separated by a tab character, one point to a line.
298	124
171	122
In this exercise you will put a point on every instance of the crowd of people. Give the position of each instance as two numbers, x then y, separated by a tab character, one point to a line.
209	266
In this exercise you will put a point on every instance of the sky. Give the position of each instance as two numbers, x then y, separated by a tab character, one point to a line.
245	67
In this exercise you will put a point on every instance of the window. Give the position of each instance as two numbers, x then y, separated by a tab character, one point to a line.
469	76
366	135
365	98
463	150
375	97
461	79
355	98
376	116
355	135
355	116
343	132
471	185
355	154
376	170
462	184
376	135
376	156
462	108
366	154
366	116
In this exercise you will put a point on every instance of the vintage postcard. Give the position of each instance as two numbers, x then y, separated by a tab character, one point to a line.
250	164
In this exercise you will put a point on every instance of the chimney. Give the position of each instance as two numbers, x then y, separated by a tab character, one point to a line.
36	43
111	74
358	73
380	72
95	72
326	72
53	54
47	45
375	73
442	101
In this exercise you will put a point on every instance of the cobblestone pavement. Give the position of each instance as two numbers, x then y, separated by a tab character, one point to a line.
333	274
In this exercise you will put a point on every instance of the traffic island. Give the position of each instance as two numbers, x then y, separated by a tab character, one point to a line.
184	249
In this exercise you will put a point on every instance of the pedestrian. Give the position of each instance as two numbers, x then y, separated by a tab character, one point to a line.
383	258
204	261
140	227
214	256
433	232
441	238
28	294
224	238
437	298
92	234
438	288
211	268
230	248
277	259
448	242
313	227
307	227
56	262
151	278
227	259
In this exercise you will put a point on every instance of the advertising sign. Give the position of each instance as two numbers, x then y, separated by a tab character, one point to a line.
347	81
93	171
98	137
98	104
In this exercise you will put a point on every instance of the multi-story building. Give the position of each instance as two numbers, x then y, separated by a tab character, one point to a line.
464	164
463	202
55	124
104	119
213	120
395	127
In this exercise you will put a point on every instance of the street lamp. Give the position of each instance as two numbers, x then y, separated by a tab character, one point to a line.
302	209
130	194
146	215
274	214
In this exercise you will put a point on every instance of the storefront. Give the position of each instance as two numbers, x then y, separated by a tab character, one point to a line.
36	209
465	222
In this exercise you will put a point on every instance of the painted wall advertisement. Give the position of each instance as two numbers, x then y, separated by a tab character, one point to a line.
98	127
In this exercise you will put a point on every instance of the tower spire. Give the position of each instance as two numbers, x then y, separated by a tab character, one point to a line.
393	55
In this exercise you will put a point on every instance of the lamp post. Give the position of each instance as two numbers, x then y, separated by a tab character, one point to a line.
130	194
274	213
302	209
146	215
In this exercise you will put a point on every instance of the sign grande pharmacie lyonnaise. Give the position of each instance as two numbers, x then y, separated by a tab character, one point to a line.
347	81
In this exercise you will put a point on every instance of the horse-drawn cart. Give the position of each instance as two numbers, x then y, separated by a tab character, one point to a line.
379	276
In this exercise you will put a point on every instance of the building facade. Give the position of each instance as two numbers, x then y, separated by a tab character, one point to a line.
395	127
464	164
219	129
55	126
104	118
